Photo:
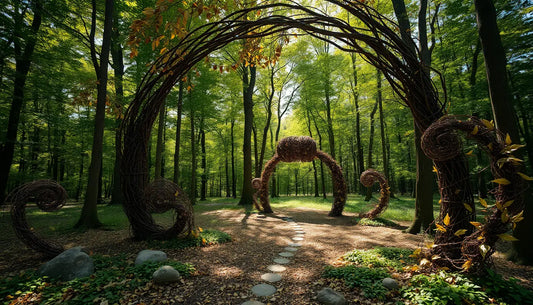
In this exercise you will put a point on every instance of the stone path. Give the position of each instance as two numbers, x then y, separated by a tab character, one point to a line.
267	289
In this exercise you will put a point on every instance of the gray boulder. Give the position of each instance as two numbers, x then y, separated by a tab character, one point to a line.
390	283
150	256
165	275
68	265
329	296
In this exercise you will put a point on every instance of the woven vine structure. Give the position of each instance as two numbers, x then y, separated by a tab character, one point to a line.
374	38
368	178
300	149
49	196
163	195
441	143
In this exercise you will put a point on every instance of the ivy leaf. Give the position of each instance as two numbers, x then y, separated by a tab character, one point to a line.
518	217
508	139
470	153
440	227
476	224
484	249
483	202
501	181
505	216
460	232
507	237
475	130
468	207
446	220
488	124
524	176
467	265
508	203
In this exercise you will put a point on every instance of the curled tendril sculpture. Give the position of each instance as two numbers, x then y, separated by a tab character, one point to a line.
440	143
369	177
295	149
49	196
163	195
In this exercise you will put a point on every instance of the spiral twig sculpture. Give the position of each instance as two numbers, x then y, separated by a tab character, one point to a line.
301	149
440	143
49	196
163	195
368	178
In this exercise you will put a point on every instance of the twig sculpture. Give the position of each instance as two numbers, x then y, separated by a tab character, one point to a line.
368	178
301	149
49	196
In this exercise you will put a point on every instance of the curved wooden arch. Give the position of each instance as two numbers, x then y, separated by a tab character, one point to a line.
301	149
374	39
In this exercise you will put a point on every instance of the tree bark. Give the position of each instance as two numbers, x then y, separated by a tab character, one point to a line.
89	212
369	161
23	60
248	79
503	110
359	147
203	187
193	182
233	179
160	146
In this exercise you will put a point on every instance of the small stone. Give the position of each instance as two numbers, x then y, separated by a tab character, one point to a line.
271	277
263	290
150	256
295	244
166	274
299	232
276	268
328	296
261	216
297	238
281	261
290	249
252	303
286	254
390	283
68	265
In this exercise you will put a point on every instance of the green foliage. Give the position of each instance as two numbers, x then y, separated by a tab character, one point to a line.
505	291
380	257
207	237
378	222
368	279
444	288
113	276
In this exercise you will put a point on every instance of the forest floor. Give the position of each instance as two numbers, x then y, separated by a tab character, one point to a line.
227	272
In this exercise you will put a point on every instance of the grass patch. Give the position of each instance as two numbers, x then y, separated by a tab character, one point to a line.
367	279
207	237
377	222
113	276
381	257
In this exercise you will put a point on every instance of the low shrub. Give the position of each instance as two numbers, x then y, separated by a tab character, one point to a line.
368	279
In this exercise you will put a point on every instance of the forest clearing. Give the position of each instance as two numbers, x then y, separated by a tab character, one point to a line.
244	152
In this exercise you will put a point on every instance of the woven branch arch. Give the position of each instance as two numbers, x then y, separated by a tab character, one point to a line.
296	149
374	39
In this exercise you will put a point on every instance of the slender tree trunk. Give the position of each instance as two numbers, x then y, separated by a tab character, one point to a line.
257	167
160	146
23	60
315	174
118	67
89	213
322	177
369	160
176	177
233	178
359	146
503	110
203	187
248	90
228	186
384	150
193	183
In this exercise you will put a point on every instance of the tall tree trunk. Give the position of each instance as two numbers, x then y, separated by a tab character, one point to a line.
359	146
248	79
322	177
89	213
257	167
315	174
369	160
233	178
228	186
160	146
503	110
23	60
203	187
267	123
118	67
176	177
424	178
193	183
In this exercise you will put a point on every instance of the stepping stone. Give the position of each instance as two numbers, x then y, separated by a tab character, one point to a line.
252	303
286	254
281	261
261	216
263	290
290	249
276	268
297	238
295	244
299	232
271	277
